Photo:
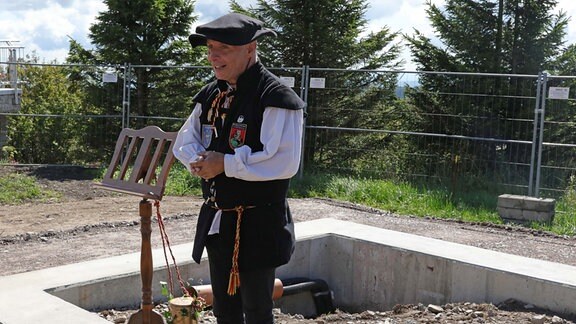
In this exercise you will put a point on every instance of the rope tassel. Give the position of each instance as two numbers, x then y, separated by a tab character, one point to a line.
234	281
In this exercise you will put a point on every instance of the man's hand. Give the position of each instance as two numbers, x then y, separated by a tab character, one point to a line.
208	165
194	169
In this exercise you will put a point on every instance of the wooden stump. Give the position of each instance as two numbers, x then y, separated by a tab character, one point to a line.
182	310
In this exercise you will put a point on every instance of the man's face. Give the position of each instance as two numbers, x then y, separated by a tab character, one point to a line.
229	61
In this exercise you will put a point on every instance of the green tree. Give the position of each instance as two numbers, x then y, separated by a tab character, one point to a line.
329	34
520	37
516	36
565	63
323	34
145	33
48	128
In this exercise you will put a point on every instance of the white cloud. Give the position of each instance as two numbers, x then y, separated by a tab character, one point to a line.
403	17
22	5
44	25
208	10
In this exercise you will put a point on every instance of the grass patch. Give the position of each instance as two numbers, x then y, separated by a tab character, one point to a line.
407	199
181	183
18	188
399	198
475	205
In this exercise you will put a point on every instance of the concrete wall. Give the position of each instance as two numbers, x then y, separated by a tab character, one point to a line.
375	269
366	268
365	275
370	268
123	290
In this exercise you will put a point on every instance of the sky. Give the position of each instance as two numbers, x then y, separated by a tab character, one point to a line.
45	26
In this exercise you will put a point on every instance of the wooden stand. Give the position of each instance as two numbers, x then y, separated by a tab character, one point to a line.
134	170
146	315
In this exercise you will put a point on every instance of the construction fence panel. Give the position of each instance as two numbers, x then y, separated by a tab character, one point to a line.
451	129
557	160
67	114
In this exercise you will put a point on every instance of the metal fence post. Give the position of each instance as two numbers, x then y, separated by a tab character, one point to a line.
124	93
534	132
304	96
127	95
542	116
13	72
536	156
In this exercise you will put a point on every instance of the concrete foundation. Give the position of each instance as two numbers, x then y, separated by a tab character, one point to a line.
366	268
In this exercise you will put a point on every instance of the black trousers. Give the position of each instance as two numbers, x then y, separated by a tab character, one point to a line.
252	303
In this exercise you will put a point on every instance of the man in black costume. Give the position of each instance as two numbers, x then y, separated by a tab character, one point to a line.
244	139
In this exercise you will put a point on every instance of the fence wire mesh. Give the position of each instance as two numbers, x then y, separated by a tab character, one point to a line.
456	130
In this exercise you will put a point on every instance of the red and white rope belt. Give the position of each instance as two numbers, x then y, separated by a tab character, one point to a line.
234	281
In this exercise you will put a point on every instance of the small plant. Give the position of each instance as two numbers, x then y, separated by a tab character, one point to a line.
8	154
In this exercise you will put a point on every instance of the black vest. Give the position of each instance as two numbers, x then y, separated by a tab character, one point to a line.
257	89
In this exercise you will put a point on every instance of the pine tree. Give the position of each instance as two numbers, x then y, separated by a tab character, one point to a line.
497	36
141	32
330	35
323	34
144	32
520	37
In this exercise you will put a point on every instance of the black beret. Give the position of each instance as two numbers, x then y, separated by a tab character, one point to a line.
232	29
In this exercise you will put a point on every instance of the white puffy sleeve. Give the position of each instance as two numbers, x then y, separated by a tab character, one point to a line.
189	140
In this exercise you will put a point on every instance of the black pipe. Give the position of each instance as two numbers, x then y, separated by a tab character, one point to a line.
318	288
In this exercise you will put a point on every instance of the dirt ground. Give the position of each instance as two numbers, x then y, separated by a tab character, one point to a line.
89	223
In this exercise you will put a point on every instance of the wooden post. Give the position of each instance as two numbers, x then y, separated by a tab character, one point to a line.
146	272
146	315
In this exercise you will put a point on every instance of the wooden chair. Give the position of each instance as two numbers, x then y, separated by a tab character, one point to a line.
140	165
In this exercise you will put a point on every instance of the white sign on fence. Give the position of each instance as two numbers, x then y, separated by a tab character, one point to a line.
558	93
289	81
109	77
318	83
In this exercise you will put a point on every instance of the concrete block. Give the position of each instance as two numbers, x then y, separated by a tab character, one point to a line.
511	201
525	209
539	204
8	102
538	216
510	213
